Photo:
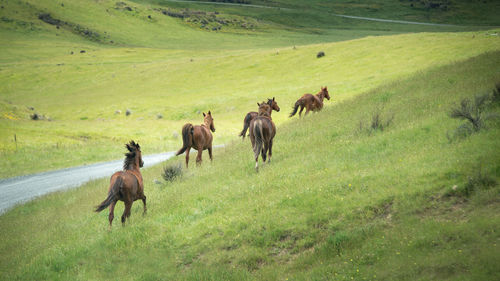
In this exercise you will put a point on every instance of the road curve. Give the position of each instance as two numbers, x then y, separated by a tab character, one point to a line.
25	188
332	14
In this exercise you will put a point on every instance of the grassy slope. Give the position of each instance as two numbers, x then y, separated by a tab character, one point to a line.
152	81
460	12
153	65
347	205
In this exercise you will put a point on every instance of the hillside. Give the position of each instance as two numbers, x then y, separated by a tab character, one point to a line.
338	201
156	60
412	196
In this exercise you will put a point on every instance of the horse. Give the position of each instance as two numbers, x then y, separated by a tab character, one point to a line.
262	132
126	185
198	137
252	114
310	102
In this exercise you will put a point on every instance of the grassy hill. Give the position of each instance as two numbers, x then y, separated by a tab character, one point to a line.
170	68
340	200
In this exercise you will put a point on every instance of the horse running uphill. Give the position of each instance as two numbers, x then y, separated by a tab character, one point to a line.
310	102
262	132
126	185
252	114
198	137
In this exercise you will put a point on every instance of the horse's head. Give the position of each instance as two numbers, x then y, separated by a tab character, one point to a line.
134	156
264	109
324	90
209	121
273	104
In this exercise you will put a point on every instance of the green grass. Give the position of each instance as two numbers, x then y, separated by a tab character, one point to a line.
319	14
334	203
339	201
170	67
155	81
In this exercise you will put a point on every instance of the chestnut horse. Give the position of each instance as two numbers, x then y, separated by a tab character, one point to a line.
126	185
198	137
262	132
310	102
252	114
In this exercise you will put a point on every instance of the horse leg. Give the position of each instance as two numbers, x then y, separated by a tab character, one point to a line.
210	153
256	152
198	157
144	202
111	213
308	108
300	112
257	162
187	156
270	150
264	151
126	212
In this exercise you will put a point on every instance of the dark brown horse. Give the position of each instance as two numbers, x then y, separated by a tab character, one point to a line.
198	137
310	102
252	114
126	185
262	132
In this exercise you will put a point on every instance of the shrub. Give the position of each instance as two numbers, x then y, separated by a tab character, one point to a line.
378	123
172	172
495	99
473	111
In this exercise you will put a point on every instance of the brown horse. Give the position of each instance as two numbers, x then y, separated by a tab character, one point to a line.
310	102
198	137
262	132
252	114
126	185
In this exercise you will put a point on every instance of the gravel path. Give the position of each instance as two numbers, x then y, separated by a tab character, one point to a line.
22	189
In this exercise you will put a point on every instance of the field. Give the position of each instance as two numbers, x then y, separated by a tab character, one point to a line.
339	201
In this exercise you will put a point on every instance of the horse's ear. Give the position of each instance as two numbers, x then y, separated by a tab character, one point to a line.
128	147
258	104
131	146
209	113
273	98
204	114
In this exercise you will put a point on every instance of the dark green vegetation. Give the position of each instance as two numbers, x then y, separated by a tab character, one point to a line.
369	188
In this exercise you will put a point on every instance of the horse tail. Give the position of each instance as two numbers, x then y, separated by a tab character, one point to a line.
296	107
111	195
187	138
246	123
259	137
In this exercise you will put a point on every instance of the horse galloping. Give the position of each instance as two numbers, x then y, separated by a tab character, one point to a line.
310	102
262	132
126	185
252	114
198	137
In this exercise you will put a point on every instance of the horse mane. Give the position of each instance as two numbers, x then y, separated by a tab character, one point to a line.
264	109
129	161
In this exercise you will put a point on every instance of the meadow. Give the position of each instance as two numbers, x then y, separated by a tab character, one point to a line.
339	201
164	67
336	202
